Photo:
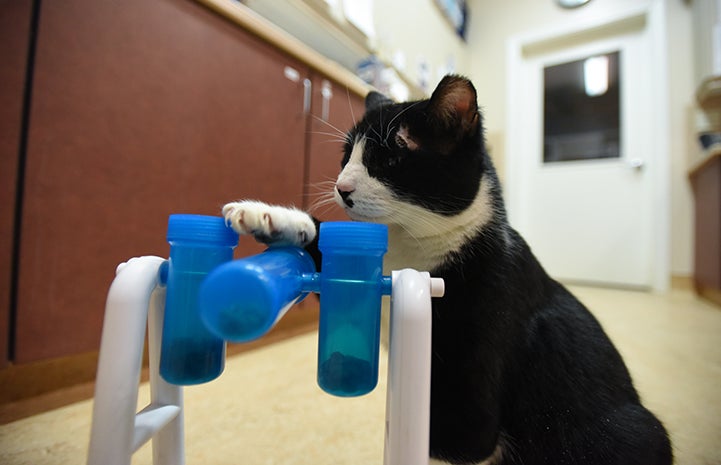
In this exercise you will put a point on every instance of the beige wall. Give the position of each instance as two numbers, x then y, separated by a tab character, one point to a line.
416	29
683	141
494	22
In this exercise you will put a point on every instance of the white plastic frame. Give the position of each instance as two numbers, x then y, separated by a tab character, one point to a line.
135	298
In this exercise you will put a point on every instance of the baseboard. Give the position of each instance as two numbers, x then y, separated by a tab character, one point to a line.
34	388
688	283
34	379
682	282
710	294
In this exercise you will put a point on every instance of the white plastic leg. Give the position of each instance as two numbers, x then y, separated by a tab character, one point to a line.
408	395
168	442
116	431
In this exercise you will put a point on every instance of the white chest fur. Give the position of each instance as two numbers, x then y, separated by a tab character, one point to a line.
422	240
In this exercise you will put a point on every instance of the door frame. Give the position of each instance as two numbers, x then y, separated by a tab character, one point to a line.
653	18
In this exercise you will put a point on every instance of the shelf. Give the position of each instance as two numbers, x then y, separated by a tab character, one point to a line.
316	28
708	156
315	25
253	22
708	93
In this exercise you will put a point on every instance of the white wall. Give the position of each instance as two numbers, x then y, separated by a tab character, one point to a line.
494	22
683	140
416	29
413	30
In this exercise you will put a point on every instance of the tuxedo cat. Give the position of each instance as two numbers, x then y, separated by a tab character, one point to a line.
522	373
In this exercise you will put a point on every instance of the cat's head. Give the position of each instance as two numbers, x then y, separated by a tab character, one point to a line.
405	160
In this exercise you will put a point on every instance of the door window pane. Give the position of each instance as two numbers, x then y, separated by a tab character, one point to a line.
581	109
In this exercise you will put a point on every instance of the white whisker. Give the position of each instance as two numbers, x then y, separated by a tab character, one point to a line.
403	111
352	115
324	201
333	134
338	131
388	133
377	141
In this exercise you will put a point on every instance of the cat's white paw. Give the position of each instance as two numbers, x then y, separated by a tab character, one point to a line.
270	224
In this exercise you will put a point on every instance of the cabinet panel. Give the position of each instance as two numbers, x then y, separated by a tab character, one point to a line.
14	39
707	193
140	109
335	110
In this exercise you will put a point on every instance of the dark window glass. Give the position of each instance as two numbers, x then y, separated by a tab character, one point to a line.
581	109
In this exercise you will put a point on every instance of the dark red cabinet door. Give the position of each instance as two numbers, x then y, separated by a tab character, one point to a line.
140	109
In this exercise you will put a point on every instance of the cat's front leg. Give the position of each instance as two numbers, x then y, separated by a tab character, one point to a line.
271	224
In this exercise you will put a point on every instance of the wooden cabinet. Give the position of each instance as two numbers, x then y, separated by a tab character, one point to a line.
15	25
335	111
139	110
706	182
705	171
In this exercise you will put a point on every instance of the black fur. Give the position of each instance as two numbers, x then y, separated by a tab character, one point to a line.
518	362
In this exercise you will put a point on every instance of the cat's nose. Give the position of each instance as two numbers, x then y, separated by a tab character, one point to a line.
345	195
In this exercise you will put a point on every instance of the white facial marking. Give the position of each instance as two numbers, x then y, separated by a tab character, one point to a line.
370	197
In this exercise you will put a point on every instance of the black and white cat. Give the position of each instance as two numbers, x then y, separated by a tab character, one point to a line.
522	373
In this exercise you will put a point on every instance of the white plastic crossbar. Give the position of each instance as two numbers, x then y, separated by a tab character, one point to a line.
135	298
117	432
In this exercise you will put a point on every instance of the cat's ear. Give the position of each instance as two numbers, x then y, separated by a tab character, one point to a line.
453	104
376	99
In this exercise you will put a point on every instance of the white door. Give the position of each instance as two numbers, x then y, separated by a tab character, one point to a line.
588	220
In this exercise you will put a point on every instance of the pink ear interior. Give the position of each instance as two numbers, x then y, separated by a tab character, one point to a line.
455	100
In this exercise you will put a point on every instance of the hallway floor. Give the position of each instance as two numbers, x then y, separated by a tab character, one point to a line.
266	408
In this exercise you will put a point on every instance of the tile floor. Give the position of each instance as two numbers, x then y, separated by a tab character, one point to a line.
266	408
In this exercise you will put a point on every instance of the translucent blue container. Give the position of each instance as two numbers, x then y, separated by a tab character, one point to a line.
242	300
190	354
351	288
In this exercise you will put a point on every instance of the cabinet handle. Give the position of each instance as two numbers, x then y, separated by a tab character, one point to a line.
326	92
307	86
636	164
291	74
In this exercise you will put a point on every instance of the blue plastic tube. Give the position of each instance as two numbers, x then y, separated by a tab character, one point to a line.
189	353
351	288
242	300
